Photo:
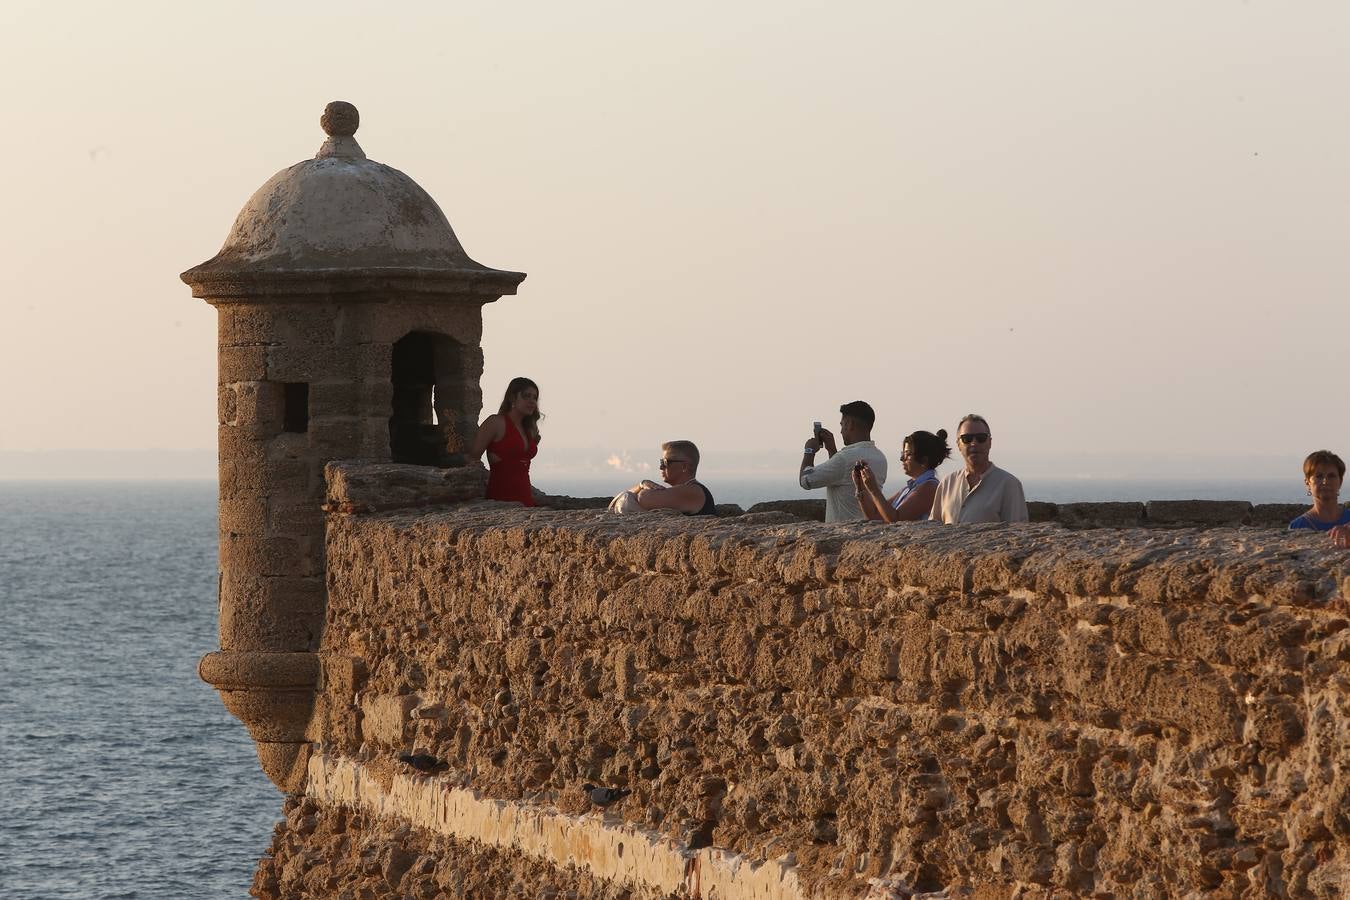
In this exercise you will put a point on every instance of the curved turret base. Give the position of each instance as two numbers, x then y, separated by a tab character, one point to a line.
273	695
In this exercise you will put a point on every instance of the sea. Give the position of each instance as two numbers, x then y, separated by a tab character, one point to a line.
121	774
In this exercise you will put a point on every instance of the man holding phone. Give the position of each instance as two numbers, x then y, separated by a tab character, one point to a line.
835	474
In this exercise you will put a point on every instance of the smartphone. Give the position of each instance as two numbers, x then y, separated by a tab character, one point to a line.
815	428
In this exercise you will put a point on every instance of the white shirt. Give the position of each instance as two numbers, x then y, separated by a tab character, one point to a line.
835	475
997	498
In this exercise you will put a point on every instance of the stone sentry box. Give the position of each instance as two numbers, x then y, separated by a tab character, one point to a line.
350	327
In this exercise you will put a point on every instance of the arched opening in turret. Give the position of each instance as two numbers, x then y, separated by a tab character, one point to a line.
427	377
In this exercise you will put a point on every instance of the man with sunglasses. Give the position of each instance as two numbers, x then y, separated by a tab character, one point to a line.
835	474
679	465
981	492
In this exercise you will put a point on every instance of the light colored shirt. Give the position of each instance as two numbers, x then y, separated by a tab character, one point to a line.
835	475
997	498
929	476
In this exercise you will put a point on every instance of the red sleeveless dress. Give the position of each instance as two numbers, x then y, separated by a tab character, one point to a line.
509	476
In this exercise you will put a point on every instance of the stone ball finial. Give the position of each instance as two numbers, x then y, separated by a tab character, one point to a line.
340	119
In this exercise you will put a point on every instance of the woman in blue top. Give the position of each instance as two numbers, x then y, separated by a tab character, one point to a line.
921	454
1323	471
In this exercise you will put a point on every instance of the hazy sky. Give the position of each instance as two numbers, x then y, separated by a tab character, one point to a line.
1120	231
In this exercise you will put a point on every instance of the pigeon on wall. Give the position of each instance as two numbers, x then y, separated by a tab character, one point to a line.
604	796
424	762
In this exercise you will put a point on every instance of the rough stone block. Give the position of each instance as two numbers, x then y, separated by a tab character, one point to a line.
242	324
1275	723
1101	515
342	674
336	437
308	323
239	478
291	515
271	714
1276	515
374	442
226	412
289	445
259	404
260	613
555	501
241	445
1180	513
308	363
370	486
334	399
1040	511
312	555
802	509
880	659
461	320
374	398
385	719
244	363
260	555
242	513
372	359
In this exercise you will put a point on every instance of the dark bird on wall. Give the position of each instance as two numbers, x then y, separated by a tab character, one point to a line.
604	796
424	762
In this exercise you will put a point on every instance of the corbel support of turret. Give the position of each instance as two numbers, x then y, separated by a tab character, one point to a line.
273	695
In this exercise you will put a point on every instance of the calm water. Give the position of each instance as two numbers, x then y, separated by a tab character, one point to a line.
121	773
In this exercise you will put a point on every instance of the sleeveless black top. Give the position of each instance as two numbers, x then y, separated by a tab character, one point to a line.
708	508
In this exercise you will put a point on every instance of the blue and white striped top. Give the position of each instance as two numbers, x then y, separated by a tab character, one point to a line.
925	478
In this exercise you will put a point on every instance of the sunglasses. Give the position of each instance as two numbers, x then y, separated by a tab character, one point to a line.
978	438
667	463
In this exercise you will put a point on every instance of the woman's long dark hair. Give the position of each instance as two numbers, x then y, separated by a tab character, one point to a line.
519	385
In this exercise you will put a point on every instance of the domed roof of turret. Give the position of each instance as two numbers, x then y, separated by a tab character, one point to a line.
343	215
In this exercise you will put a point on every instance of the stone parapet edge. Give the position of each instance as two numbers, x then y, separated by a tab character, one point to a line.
609	849
358	485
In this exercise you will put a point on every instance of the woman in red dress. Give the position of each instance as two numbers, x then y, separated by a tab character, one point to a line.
511	439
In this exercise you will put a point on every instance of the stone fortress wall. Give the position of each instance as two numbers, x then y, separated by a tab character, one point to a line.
811	710
1108	700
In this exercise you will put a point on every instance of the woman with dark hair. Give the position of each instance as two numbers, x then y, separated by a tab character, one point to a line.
922	453
1323	473
511	439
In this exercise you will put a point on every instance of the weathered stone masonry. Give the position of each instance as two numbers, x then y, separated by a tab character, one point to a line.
867	708
799	709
